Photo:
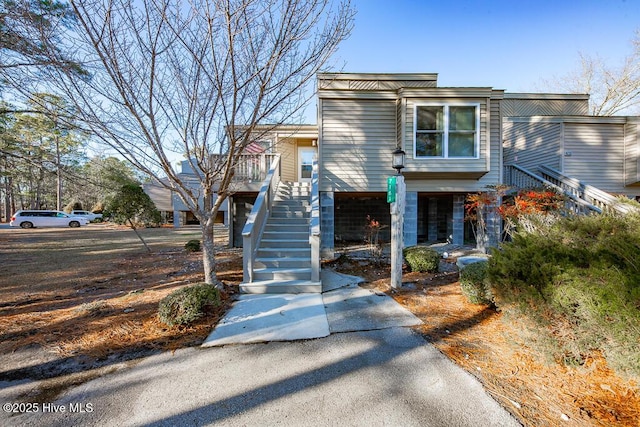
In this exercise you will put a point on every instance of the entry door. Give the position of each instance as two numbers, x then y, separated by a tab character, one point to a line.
305	163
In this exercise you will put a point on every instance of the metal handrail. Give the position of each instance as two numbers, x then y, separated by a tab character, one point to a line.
254	227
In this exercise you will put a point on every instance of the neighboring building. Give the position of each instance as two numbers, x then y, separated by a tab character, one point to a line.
171	207
297	147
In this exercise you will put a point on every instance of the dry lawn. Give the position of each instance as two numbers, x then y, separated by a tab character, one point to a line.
75	299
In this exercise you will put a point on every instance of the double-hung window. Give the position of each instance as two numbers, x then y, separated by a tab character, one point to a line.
450	130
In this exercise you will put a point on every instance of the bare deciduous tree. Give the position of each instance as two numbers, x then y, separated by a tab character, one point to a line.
195	78
612	89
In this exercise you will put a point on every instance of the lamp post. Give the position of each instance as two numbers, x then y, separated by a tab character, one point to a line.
397	218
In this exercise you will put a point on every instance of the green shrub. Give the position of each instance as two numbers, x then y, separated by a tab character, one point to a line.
187	304
474	284
580	283
192	245
606	312
422	259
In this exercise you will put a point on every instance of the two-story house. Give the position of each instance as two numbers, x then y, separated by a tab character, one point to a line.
457	140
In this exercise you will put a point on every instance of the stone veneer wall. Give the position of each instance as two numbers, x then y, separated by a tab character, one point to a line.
326	225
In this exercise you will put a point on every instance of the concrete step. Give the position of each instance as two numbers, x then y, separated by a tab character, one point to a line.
295	184
292	262
286	235
286	226
288	221
293	194
281	287
283	214
284	243
291	203
303	273
284	252
290	209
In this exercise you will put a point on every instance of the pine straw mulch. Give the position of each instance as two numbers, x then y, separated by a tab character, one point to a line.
537	391
107	318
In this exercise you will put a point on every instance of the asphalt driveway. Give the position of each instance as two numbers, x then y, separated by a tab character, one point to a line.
386	377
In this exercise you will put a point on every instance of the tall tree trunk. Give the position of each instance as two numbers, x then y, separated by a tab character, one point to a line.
9	202
6	208
11	196
208	252
58	176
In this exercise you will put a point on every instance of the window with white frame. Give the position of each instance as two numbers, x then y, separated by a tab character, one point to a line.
446	130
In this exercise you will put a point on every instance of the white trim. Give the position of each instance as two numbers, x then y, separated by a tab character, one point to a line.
569	119
445	137
379	76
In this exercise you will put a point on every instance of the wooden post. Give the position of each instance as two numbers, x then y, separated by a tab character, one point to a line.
397	220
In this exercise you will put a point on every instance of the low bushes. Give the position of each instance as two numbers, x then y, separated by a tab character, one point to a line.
187	304
192	245
422	259
582	279
473	282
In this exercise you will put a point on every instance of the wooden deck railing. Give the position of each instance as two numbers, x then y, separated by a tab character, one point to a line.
592	195
250	167
253	228
314	225
519	177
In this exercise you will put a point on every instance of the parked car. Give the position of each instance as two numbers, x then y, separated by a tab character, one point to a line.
45	218
86	214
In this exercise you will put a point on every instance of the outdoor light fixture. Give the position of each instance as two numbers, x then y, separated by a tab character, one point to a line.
398	160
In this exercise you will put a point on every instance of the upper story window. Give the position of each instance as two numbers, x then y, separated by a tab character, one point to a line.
449	130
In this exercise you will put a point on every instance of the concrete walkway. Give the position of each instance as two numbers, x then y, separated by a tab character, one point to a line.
374	372
342	307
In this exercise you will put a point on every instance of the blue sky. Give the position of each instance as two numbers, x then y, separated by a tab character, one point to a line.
508	45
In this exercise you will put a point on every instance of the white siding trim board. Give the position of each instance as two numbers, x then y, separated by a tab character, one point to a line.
569	119
446	92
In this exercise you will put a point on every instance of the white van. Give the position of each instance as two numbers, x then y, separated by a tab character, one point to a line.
45	218
86	214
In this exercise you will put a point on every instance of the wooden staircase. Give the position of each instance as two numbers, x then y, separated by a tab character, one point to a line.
582	199
283	259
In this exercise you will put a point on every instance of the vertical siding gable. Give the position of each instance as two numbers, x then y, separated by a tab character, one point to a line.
375	82
517	107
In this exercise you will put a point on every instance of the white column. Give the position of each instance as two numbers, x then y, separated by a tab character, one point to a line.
397	220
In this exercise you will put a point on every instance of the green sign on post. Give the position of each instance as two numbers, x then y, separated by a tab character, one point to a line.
391	189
